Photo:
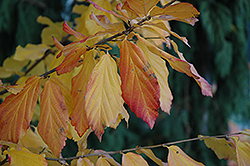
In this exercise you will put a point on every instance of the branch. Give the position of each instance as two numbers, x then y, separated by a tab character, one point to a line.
143	147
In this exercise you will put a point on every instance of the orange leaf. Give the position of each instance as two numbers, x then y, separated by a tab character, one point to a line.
53	122
16	111
185	12
177	157
130	158
103	101
23	157
70	60
140	89
70	31
182	66
161	72
79	84
141	7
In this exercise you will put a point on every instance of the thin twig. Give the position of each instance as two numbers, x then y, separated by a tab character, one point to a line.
144	147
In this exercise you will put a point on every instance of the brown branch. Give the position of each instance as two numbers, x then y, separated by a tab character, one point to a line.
144	147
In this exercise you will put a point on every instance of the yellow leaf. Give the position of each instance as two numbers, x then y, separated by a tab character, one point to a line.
242	152
31	139
4	73
84	162
11	64
30	52
103	101
245	132
82	142
15	88
161	72
23	157
177	157
132	159
102	162
221	147
53	123
16	111
150	154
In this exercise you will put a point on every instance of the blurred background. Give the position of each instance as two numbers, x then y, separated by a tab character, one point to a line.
220	51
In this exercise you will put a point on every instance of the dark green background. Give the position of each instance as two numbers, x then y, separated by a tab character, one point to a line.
219	53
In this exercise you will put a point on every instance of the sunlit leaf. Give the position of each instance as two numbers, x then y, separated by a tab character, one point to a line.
161	72
102	162
221	147
183	67
23	157
141	7
245	132
242	152
16	111
140	89
53	123
181	11
70	31
149	153
84	162
79	84
103	101
132	159
30	52
177	157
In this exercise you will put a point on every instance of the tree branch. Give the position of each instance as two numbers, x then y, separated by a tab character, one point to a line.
144	147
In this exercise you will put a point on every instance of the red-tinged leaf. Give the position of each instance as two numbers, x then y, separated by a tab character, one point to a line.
70	31
130	159
141	7
16	111
70	60
23	157
140	89
177	157
79	84
103	101
53	122
161	72
182	12
182	66
107	11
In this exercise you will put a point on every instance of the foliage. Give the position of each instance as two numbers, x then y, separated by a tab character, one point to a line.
84	87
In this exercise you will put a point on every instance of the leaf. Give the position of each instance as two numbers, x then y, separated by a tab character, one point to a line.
149	153
242	152
102	162
132	159
30	52
141	7
79	84
221	147
103	101
161	72
183	11
70	31
15	89
140	89
70	60
177	157
53	123
16	111
84	162
245	132
23	157
182	66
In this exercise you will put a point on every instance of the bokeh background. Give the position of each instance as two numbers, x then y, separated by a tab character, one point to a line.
220	51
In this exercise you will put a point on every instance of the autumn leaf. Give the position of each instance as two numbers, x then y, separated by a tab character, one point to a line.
132	159
149	153
183	11
182	66
70	31
23	157
16	111
221	147
103	101
53	122
141	7
140	89
161	72
79	84
177	157
84	162
242	152
102	162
